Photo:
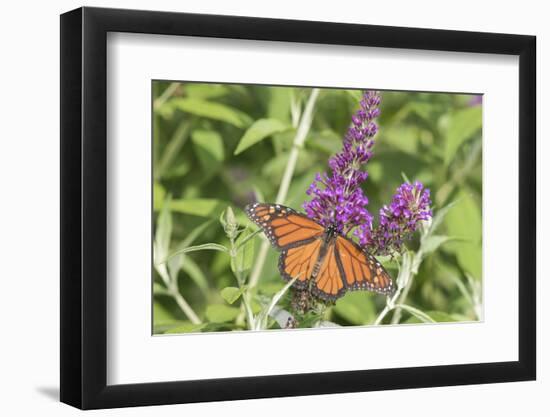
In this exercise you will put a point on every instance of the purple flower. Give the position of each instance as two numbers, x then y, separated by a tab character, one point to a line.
409	206
338	198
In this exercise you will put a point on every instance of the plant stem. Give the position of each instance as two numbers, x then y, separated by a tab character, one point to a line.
413	270
390	304
184	306
404	282
403	296
301	133
171	89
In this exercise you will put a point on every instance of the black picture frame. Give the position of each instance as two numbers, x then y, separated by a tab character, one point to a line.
84	207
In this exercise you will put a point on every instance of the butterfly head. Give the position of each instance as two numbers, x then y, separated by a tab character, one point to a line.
331	232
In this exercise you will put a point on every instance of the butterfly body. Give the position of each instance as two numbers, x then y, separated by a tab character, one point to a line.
319	257
327	238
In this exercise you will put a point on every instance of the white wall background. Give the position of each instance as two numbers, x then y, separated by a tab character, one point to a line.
29	177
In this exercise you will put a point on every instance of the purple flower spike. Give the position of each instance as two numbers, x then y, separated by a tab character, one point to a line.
338	198
410	205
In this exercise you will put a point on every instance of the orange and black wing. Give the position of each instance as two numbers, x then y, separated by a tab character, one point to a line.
295	235
283	226
300	261
329	281
360	270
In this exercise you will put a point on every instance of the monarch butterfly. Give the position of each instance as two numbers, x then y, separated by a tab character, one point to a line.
318	257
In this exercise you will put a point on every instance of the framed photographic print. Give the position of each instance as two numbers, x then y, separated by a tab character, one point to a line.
258	208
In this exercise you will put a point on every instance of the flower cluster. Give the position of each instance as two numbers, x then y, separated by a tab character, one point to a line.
338	199
397	221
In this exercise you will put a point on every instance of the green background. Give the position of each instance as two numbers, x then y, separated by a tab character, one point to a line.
225	145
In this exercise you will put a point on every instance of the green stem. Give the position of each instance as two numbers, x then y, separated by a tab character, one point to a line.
413	270
301	134
171	89
184	305
390	304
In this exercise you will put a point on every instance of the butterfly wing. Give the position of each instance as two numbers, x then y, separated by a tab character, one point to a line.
300	261
283	226
360	270
329	281
297	237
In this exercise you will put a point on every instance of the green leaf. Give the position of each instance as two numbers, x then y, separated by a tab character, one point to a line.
161	244
211	110
232	294
433	242
203	207
241	263
462	125
209	148
464	223
219	313
356	308
164	230
278	106
261	129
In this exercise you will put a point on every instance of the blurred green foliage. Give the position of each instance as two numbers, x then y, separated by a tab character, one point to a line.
221	145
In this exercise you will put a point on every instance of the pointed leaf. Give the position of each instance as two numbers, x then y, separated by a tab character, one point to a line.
209	148
433	242
212	110
204	207
261	129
